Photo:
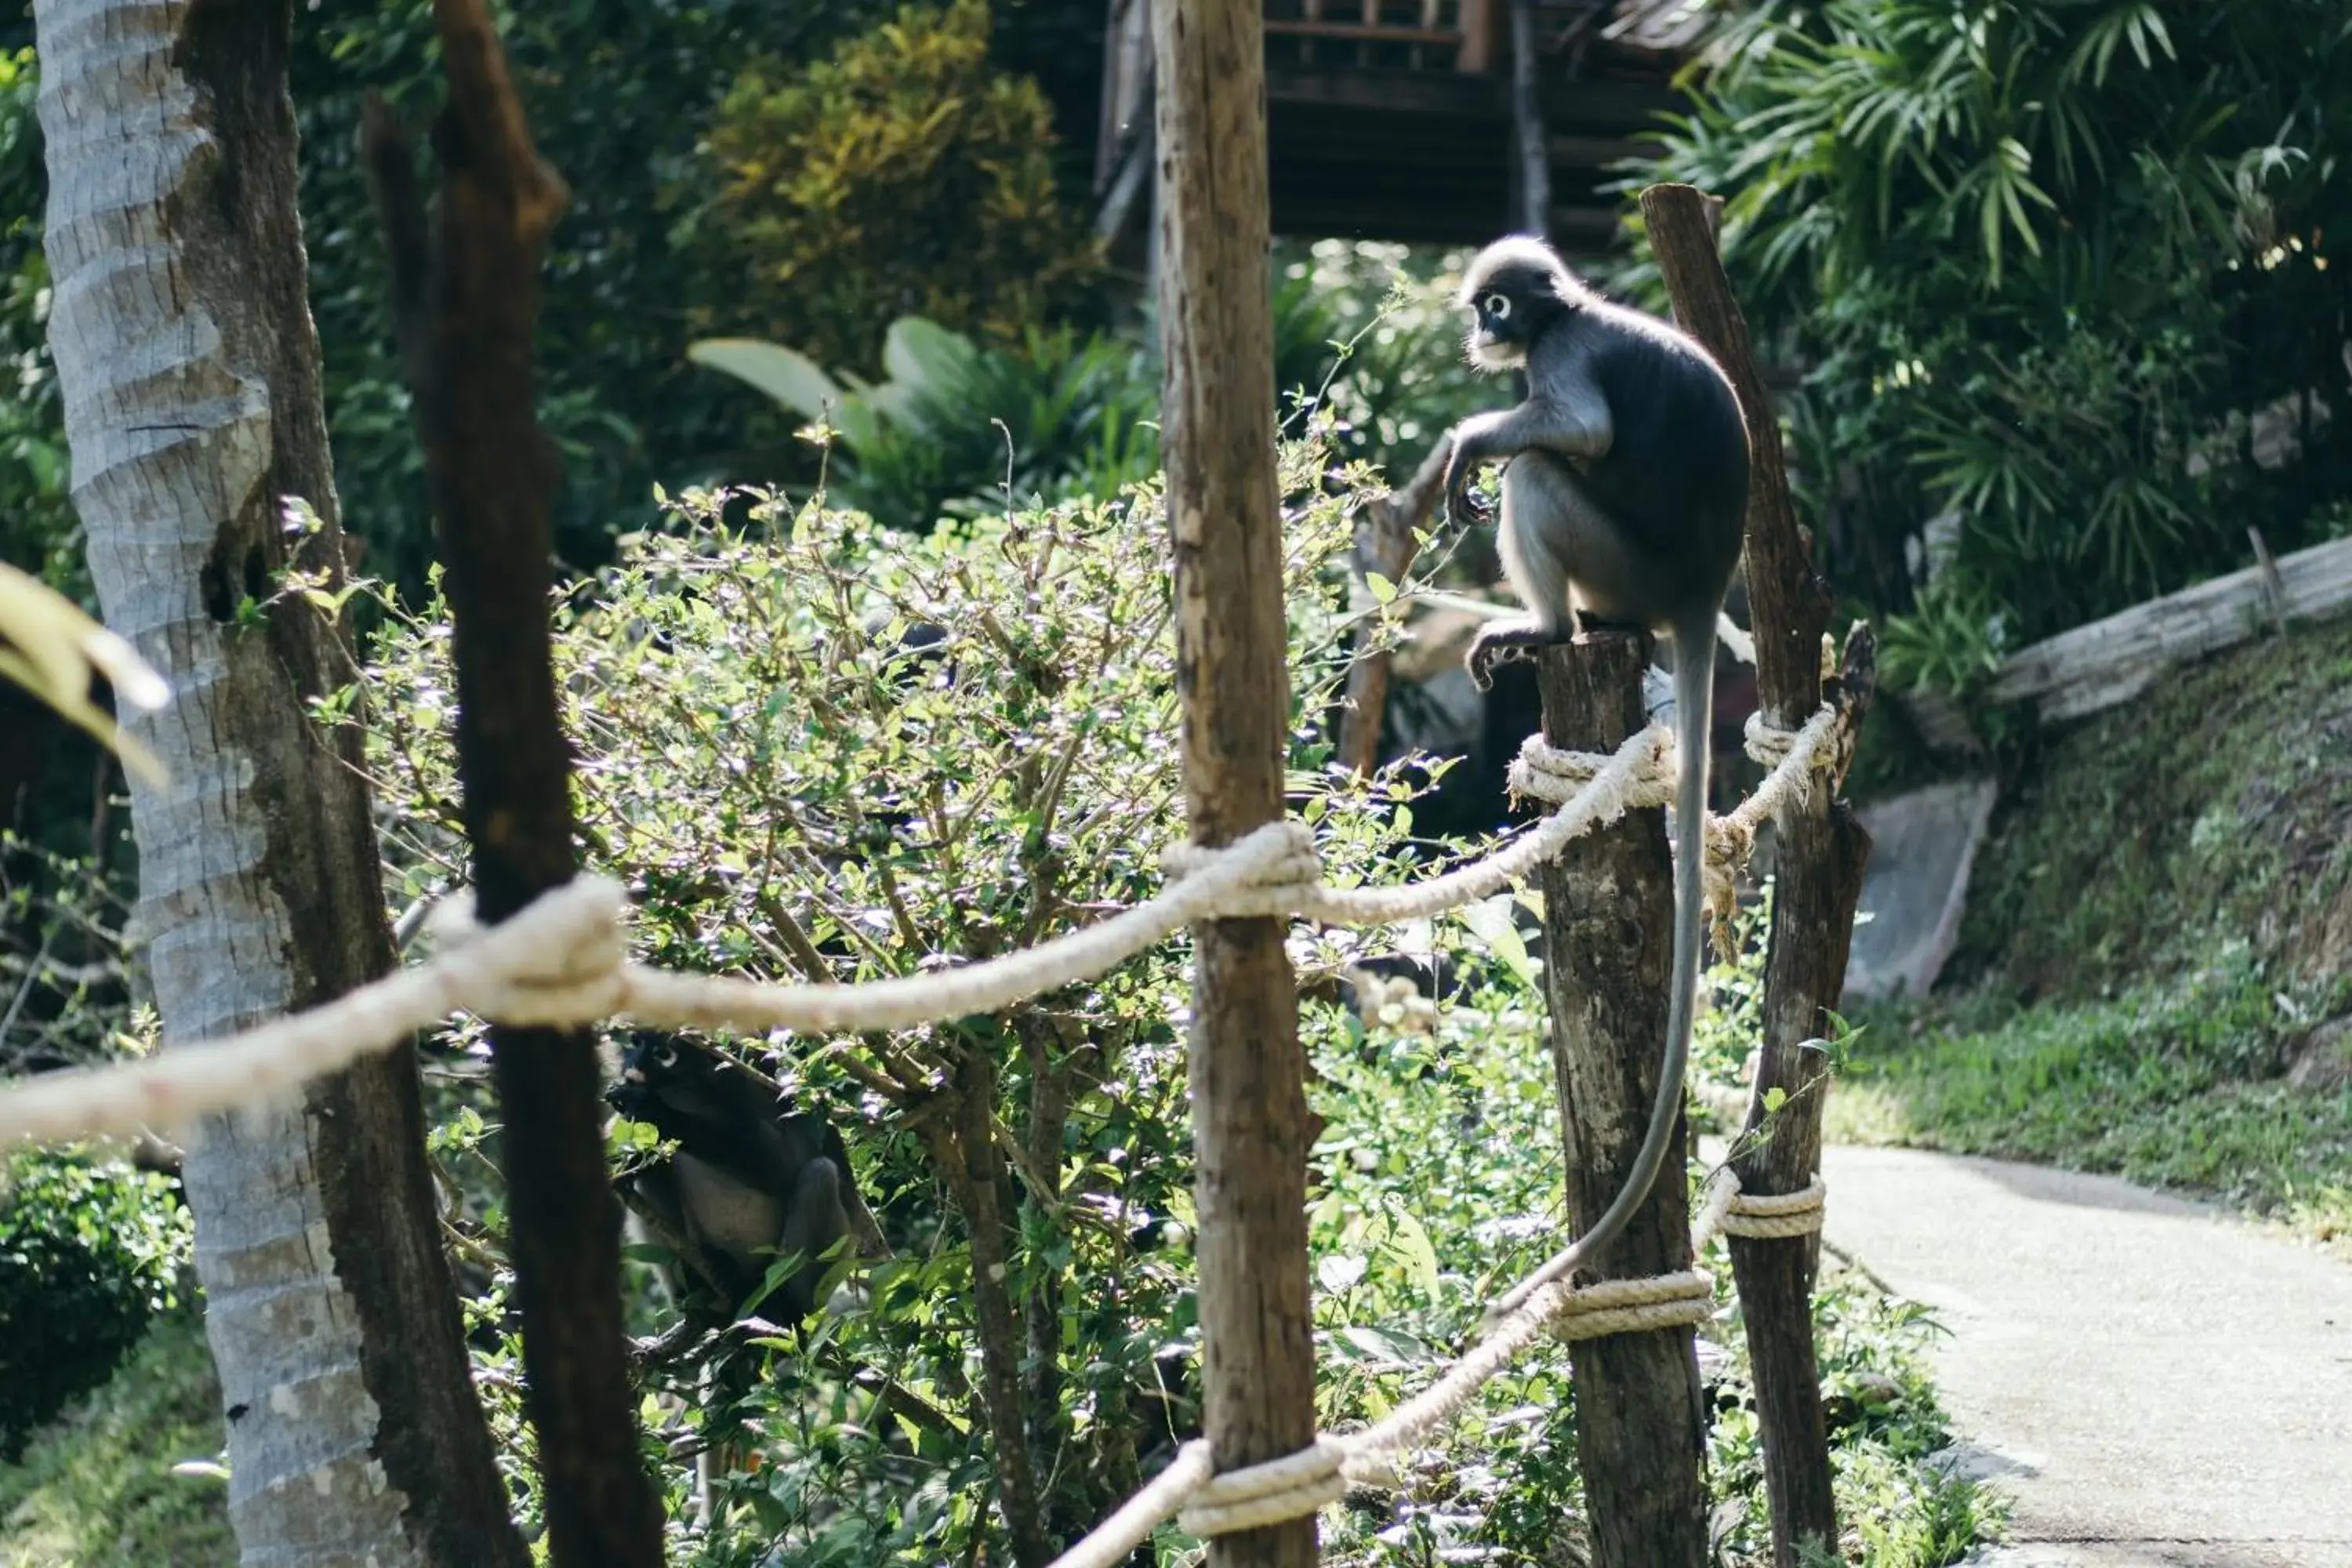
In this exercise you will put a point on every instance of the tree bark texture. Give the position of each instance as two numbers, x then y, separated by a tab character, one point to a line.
1820	852
189	368
1247	1069
1609	923
465	305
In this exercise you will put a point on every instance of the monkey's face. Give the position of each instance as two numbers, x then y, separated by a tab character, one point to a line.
1512	306
660	1071
1514	289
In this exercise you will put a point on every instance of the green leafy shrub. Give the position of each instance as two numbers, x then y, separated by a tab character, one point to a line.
39	532
902	176
960	427
799	786
2062	270
88	1252
801	789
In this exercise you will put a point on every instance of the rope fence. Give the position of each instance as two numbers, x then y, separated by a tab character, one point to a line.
1205	1502
563	961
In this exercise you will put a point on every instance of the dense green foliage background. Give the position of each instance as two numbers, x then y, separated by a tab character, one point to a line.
90	1250
2070	273
2060	272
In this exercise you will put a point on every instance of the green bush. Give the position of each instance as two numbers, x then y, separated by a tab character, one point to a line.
801	790
798	786
903	176
88	1252
617	92
2042	264
39	532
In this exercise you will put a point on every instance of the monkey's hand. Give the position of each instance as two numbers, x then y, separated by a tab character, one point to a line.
1472	446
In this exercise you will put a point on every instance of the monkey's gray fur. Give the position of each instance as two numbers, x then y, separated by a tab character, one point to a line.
1623	503
752	1178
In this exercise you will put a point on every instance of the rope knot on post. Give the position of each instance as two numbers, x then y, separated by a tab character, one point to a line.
1758	1216
1630	1305
1285	881
1775	1216
1289	1487
1547	773
559	961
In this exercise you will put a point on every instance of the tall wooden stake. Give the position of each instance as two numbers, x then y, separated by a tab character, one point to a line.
1609	923
1249	1104
1534	182
465	307
1819	859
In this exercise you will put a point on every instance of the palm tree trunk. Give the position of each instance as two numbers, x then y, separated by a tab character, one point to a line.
190	369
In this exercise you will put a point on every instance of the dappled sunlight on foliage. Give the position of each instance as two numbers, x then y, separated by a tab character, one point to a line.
902	176
817	748
2062	270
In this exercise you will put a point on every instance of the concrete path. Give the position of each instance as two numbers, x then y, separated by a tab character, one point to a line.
2155	1384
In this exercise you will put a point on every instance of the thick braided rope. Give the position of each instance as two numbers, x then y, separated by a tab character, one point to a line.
1632	776
1298	1484
1542	772
563	961
1775	1216
660	999
561	940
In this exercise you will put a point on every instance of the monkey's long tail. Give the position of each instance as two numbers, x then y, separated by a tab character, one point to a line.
1693	725
1694	738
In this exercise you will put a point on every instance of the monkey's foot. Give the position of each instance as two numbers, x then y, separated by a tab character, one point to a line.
1511	644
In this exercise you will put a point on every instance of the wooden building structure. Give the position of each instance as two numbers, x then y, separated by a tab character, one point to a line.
1395	119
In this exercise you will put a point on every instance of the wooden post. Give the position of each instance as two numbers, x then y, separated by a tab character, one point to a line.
1609	923
1478	53
465	296
1821	849
1527	122
1248	1072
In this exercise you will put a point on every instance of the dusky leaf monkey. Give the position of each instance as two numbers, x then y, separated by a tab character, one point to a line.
1623	504
752	1179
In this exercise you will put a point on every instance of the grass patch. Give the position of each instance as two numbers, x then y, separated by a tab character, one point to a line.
95	1486
2174	1083
2213	809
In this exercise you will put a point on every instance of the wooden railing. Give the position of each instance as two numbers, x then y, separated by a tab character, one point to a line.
1399	35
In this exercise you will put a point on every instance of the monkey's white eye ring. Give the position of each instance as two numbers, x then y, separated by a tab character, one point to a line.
1497	306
